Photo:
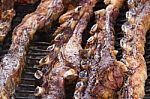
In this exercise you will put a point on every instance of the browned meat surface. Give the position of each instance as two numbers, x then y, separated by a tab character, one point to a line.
63	61
13	62
135	29
6	15
102	74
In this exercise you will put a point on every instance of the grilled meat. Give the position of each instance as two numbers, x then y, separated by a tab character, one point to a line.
102	74
6	15
13	63
63	61
135	29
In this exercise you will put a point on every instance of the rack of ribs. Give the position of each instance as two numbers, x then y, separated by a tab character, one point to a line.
13	63
63	61
6	15
102	74
135	29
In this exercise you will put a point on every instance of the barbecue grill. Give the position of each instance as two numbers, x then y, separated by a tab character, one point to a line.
37	50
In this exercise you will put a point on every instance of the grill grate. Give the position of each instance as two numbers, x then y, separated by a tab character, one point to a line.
37	50
25	89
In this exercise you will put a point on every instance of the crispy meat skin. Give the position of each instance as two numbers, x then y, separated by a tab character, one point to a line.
135	29
64	57
6	15
13	62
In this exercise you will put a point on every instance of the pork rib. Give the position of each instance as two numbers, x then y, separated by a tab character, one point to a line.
105	73
135	29
13	63
64	58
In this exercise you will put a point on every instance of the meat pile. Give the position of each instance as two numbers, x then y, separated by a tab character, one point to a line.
94	68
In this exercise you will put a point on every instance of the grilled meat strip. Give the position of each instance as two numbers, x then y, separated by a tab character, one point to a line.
102	74
64	59
13	62
6	15
135	29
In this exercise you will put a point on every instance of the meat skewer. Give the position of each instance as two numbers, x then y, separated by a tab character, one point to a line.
6	15
64	58
135	29
105	73
13	63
